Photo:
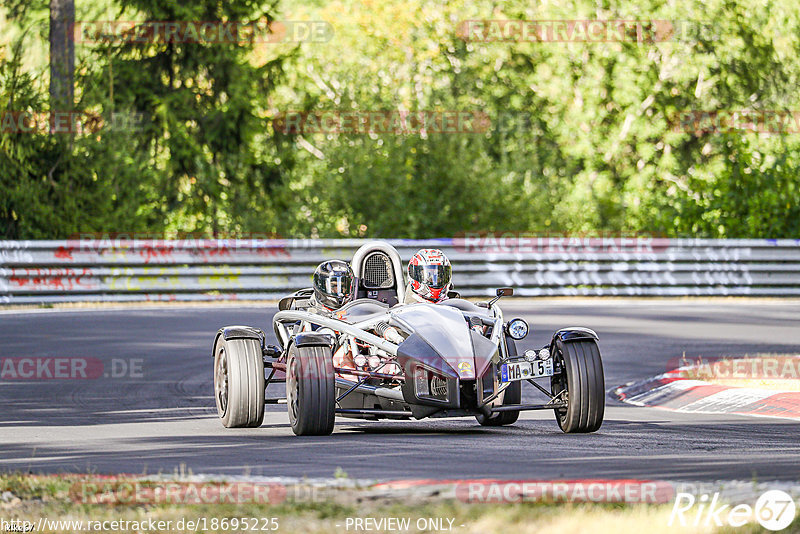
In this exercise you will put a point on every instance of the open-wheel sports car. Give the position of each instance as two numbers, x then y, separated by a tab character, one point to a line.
380	358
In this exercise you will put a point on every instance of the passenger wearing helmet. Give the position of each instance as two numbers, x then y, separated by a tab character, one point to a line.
429	276
334	285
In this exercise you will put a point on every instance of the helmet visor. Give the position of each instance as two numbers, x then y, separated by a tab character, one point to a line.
337	285
434	276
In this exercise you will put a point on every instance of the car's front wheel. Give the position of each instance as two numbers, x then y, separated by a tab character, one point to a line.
581	384
310	390
239	382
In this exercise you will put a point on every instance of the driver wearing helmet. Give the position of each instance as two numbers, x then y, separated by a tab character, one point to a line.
334	285
429	275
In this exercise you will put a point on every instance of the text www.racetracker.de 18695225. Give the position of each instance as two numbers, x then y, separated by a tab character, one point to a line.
195	524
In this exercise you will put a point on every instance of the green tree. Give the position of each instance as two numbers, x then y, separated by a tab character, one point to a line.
202	103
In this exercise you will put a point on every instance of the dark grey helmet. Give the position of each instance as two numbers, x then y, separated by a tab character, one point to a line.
334	284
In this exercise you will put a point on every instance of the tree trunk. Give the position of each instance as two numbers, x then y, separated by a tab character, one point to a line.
62	54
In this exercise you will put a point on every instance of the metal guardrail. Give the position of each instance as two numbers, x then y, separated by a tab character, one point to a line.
265	269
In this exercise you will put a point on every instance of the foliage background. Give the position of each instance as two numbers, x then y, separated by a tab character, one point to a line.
581	140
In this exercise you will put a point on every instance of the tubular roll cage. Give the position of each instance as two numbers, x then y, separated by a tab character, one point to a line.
286	319
283	319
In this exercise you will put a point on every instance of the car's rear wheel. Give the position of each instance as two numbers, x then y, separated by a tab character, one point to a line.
512	395
239	382
581	384
310	390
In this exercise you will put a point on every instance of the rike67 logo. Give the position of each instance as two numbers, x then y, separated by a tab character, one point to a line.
774	510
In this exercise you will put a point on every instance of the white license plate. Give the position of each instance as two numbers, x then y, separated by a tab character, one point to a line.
514	371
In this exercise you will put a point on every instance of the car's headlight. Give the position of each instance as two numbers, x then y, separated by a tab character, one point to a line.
530	355
517	329
544	354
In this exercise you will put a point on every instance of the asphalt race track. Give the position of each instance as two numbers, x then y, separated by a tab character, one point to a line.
160	418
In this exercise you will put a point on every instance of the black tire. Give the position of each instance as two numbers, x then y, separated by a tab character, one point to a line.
239	382
582	377
310	390
512	395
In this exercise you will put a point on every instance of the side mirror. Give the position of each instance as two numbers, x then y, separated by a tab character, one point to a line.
504	291
501	292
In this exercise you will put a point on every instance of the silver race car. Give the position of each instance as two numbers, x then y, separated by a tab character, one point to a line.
379	358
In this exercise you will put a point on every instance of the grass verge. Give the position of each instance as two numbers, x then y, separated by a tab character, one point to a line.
31	498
